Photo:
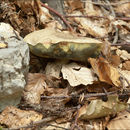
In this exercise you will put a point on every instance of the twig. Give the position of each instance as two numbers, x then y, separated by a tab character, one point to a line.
97	17
57	126
100	3
43	121
86	96
123	18
121	44
116	29
58	14
76	120
85	16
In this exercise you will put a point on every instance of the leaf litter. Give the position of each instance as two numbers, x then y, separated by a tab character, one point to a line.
65	87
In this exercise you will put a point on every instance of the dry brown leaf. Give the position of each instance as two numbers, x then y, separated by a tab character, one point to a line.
106	72
14	117
123	54
98	87
121	122
54	24
34	7
94	28
44	15
115	60
126	65
125	74
123	9
77	75
54	68
54	124
91	10
35	87
75	4
98	108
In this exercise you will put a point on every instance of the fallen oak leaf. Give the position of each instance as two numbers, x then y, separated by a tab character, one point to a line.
35	87
105	71
77	74
98	108
14	117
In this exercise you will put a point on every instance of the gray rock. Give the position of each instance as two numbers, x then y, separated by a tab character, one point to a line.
14	65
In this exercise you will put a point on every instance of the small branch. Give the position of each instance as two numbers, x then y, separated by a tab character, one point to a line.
86	96
114	4
97	17
76	120
116	29
123	18
58	14
43	121
85	16
57	126
121	44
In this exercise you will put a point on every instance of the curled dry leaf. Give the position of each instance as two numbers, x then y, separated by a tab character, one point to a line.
99	108
77	75
106	72
35	87
122	122
14	117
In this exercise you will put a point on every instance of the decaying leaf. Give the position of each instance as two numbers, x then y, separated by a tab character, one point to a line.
98	108
35	87
122	122
123	8
92	27
14	117
77	74
126	76
55	44
44	15
123	54
75	4
54	68
91	10
25	16
115	60
126	65
106	72
56	126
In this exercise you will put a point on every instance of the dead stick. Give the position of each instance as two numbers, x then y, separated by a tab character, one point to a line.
114	4
43	121
116	29
97	17
58	14
86	96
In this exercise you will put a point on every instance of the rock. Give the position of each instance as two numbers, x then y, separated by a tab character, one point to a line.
14	66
